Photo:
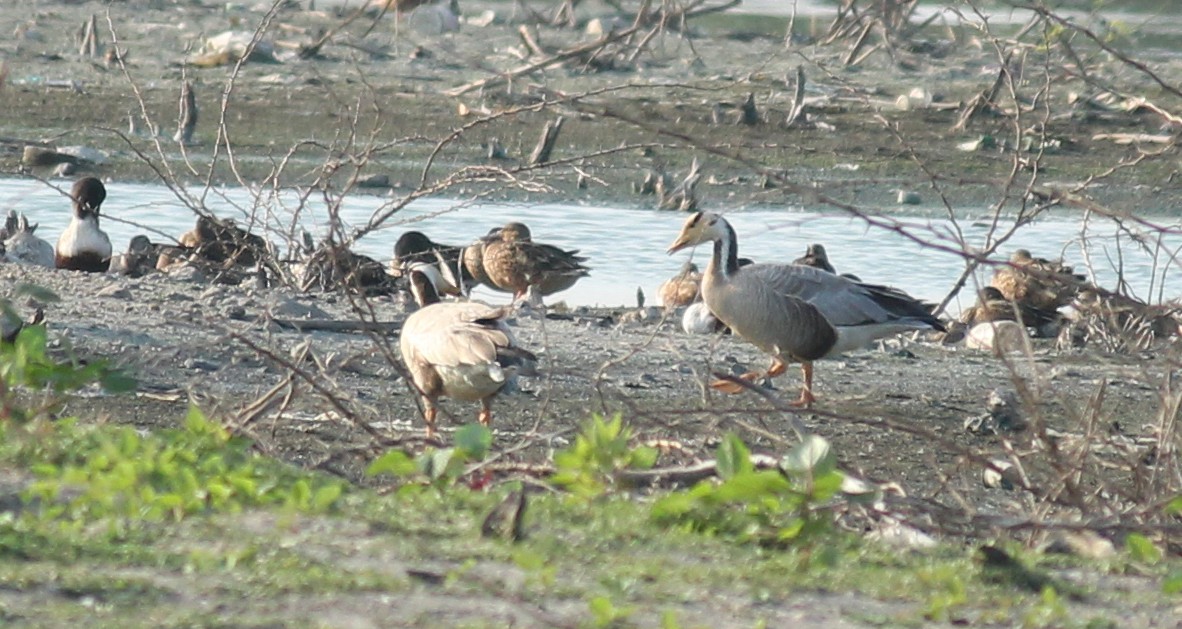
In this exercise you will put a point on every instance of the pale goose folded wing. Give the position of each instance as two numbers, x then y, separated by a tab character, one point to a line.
471	334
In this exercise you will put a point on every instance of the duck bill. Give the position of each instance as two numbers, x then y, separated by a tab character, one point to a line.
682	242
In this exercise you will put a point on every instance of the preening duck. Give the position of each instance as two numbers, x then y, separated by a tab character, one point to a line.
815	256
22	246
515	263
462	350
415	246
84	246
794	313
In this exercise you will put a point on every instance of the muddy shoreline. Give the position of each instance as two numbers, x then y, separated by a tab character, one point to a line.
288	122
190	340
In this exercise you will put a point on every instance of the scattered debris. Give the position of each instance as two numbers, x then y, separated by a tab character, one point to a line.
1003	413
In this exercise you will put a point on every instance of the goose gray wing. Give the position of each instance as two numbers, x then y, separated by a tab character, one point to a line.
775	321
843	302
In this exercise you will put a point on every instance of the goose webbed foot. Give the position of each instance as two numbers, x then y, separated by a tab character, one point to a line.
728	386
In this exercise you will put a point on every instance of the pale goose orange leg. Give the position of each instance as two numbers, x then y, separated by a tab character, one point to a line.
485	416
429	413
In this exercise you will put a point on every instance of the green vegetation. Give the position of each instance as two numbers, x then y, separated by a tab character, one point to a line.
190	526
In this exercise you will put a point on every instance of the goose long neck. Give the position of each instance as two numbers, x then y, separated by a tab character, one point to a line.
726	253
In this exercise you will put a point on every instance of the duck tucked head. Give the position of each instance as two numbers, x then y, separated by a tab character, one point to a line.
700	228
411	243
88	194
515	232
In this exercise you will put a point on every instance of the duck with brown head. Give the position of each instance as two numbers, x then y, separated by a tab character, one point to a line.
84	246
514	262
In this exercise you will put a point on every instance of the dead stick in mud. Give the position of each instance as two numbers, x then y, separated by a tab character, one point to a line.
332	325
313	49
541	152
187	117
530	40
797	98
687	475
538	65
985	98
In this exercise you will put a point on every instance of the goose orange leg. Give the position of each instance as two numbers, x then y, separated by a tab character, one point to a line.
485	416
429	412
806	392
725	386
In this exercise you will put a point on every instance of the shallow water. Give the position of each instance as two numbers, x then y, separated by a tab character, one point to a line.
626	247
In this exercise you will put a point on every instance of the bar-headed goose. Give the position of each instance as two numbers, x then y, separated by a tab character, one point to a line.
795	313
462	350
83	246
515	263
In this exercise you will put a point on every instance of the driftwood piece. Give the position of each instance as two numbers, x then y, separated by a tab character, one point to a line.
984	99
686	475
35	156
187	116
797	99
333	325
541	153
88	45
529	68
531	41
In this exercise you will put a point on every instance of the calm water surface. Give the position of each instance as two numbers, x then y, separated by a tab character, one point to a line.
626	247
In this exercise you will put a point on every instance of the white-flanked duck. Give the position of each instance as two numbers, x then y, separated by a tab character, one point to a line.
22	246
795	313
84	246
462	350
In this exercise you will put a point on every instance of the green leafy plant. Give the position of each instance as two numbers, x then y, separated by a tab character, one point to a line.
440	467
25	363
588	468
773	506
117	476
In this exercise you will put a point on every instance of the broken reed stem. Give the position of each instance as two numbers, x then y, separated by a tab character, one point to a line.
187	117
541	152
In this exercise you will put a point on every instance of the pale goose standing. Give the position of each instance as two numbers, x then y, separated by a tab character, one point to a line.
84	246
462	350
795	313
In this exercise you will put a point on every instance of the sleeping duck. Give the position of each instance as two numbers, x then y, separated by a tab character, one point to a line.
22	246
462	350
515	263
1040	287
415	246
794	313
84	246
222	242
681	289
